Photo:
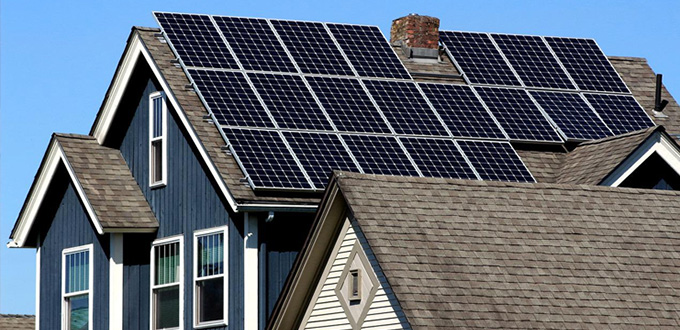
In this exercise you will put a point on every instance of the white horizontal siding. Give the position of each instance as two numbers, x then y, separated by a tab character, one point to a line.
326	310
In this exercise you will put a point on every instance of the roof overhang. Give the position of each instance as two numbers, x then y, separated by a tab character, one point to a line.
658	142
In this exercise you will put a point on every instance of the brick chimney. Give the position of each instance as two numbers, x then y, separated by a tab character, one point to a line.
415	31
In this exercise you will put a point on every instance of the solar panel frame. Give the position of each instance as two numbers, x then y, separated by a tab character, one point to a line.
533	61
380	154
572	114
208	40
519	116
318	152
282	170
462	111
611	106
255	44
448	160
375	57
497	70
602	76
504	164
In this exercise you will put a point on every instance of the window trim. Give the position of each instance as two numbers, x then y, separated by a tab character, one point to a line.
158	242
224	275
89	291
352	272
163	138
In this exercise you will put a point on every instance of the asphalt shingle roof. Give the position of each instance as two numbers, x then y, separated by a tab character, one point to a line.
17	322
494	255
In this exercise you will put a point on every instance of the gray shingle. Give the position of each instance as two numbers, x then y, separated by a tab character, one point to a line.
17	322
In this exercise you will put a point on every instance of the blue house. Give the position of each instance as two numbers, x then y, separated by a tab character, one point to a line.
186	205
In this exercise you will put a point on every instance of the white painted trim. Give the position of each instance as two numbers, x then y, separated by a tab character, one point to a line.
251	276
116	282
37	286
163	138
158	242
55	154
224	275
136	50
89	291
656	143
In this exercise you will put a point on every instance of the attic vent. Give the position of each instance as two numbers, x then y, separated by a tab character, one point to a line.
417	35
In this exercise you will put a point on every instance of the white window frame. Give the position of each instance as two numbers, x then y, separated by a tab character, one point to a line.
163	138
89	291
225	275
152	286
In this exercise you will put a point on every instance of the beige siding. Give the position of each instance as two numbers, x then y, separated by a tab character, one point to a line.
326	312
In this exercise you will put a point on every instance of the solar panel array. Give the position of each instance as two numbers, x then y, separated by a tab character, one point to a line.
296	100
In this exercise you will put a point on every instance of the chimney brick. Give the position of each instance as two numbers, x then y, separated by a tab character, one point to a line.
416	31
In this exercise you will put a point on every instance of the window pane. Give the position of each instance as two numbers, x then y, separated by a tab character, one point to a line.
77	271
210	255
78	312
167	263
167	307
210	299
157	117
157	161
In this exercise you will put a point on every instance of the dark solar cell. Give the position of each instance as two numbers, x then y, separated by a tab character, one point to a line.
462	111
572	115
518	115
196	40
587	64
405	108
312	47
438	158
230	98
289	101
621	113
532	60
380	155
320	154
348	105
266	159
496	161
255	44
479	59
368	51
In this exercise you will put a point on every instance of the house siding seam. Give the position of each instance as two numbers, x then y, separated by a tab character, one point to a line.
327	312
187	203
70	227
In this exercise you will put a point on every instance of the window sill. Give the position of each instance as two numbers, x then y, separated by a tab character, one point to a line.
157	185
211	324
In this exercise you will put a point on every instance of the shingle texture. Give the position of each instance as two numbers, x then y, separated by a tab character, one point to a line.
17	322
107	182
493	255
545	166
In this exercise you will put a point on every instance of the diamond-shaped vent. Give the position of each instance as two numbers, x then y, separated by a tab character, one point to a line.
357	286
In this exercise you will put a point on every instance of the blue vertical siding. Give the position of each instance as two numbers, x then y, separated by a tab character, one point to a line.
70	227
189	202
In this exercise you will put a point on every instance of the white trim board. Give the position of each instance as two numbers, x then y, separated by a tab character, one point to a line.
658	143
116	279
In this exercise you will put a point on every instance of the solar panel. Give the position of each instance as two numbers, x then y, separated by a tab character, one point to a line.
379	155
289	101
196	40
587	64
496	161
312	47
405	108
532	60
320	154
572	115
478	58
462	111
255	44
438	158
348	105
368	51
621	113
266	159
230	98
517	114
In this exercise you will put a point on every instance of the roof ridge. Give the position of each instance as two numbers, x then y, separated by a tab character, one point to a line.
617	137
74	136
18	315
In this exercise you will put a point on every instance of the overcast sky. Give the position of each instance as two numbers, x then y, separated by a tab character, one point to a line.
57	59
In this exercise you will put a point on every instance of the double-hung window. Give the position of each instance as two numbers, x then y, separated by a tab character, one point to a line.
77	288
166	284
158	166
210	267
